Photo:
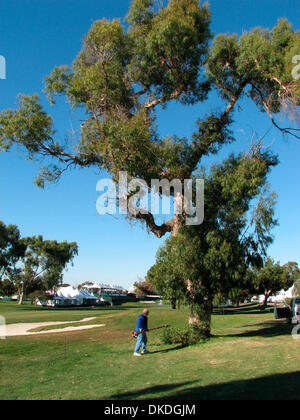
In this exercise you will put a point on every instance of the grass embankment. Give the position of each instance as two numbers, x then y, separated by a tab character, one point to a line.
251	356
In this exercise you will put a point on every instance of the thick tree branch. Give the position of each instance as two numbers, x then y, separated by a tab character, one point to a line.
234	98
163	99
198	150
161	230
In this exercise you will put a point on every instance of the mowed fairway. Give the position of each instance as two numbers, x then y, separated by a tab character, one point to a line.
251	356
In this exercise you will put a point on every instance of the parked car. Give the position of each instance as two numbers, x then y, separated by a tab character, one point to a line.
290	312
295	310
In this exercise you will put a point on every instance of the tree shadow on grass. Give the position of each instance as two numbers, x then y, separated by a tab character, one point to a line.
267	329
252	309
157	389
285	386
167	350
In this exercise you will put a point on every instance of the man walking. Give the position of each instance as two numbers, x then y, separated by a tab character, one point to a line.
142	328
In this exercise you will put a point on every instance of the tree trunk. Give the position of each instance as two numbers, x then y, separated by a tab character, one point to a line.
265	302
200	310
177	223
173	302
200	317
21	295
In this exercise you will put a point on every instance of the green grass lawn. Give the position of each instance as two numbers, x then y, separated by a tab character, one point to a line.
251	356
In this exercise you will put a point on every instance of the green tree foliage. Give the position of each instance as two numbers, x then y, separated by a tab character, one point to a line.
272	278
143	287
166	277
42	265
263	60
263	220
214	257
12	248
7	288
296	288
31	264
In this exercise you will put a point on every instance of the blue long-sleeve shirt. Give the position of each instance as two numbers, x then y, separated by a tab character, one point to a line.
142	323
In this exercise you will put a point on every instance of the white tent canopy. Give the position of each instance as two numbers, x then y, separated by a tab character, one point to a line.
70	292
279	297
70	296
104	286
283	294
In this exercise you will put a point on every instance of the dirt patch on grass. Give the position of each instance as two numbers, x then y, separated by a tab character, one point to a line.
256	344
217	362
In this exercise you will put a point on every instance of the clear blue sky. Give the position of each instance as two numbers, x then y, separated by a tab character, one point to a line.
37	35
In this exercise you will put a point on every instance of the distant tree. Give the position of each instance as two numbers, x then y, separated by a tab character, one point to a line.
12	248
42	265
25	283
296	288
236	295
166	278
86	283
7	288
292	269
143	287
272	278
